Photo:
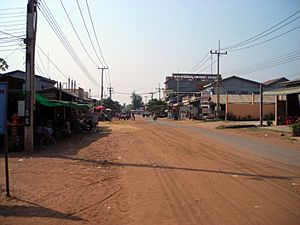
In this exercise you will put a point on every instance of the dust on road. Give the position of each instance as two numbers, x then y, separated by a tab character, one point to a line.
140	172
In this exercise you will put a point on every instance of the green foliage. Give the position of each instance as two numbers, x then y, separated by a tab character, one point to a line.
296	125
113	105
136	100
3	65
157	106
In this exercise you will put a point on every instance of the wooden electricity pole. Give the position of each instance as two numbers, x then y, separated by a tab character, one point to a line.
29	79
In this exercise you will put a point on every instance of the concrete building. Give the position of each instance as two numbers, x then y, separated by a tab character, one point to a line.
186	84
234	85
287	102
40	82
274	83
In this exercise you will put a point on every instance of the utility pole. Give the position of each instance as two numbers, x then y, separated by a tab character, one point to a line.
177	91
151	93
218	53
146	98
159	89
110	90
29	79
261	105
103	68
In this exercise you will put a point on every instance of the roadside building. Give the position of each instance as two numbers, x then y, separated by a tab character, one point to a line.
274	83
246	107
186	85
40	82
287	102
234	85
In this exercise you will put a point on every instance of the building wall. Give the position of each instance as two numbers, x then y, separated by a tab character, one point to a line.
41	84
185	85
238	86
243	110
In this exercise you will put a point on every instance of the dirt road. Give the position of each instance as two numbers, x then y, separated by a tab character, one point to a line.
141	172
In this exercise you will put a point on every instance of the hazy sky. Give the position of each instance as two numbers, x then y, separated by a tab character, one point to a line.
145	41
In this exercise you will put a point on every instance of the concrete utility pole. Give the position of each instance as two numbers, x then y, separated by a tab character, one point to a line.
261	113
151	93
103	68
159	89
177	91
110	90
218	53
146	98
29	79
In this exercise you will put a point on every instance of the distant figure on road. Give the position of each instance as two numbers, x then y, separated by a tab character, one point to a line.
154	116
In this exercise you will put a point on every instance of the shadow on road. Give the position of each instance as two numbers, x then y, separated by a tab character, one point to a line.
157	166
30	209
67	146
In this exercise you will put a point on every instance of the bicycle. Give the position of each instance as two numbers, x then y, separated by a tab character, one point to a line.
44	135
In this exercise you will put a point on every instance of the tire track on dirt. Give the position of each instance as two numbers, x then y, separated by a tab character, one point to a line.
240	161
208	183
173	194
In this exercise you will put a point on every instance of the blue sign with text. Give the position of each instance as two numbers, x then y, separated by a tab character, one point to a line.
3	108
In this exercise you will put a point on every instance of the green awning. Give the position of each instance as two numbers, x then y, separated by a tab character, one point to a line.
46	102
55	103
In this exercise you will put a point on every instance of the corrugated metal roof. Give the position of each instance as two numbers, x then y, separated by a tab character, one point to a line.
242	99
284	91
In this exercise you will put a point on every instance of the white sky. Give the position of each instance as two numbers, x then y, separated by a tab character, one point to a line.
145	41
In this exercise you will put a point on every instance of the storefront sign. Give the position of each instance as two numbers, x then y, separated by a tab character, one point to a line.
3	108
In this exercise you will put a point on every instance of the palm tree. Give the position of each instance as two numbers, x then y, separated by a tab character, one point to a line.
3	65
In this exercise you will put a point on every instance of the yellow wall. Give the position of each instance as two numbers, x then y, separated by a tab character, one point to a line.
244	110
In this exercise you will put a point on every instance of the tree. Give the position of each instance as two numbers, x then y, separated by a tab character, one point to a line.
113	105
3	65
157	106
136	100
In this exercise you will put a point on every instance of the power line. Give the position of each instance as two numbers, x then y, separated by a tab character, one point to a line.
270	39
7	9
9	34
62	73
61	36
197	65
88	33
77	34
14	13
9	17
12	25
265	31
15	29
209	65
280	60
11	45
12	21
95	34
10	54
40	70
43	65
8	49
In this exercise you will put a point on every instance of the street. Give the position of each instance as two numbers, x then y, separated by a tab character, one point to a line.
163	172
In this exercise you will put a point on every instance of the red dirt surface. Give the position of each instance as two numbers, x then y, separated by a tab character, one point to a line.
139	172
